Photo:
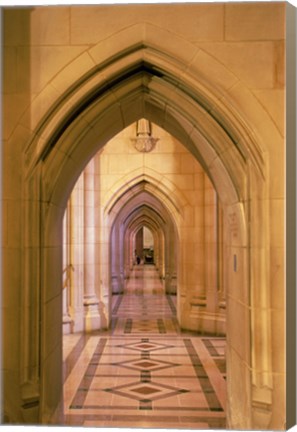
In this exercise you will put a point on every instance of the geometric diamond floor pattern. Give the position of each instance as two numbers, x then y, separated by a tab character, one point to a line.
144	372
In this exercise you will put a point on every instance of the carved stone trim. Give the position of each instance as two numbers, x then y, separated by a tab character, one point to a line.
144	144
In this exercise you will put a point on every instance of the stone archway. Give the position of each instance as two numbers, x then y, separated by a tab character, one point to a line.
58	155
138	208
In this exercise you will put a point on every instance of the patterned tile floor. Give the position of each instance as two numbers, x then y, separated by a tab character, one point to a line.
144	372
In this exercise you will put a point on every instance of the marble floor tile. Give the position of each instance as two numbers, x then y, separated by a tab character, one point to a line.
144	372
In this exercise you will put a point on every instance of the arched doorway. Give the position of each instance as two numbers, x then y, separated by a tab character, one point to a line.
148	245
56	164
144	246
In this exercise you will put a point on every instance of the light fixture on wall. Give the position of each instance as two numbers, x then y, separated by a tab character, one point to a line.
144	142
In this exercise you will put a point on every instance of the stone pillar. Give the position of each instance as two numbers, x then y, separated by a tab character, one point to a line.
239	356
66	317
170	283
195	253
192	295
131	246
91	302
77	251
139	243
129	253
211	256
161	255
67	267
156	251
115	279
221	273
122	253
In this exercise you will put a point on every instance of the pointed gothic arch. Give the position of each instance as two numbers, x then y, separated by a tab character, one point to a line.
133	211
126	84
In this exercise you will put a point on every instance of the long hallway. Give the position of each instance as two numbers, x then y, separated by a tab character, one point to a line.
144	372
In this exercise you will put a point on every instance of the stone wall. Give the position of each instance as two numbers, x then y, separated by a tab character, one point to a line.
211	75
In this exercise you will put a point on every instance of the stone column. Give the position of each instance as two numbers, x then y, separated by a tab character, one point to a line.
192	291
131	251
195	254
115	282
170	262
77	251
211	255
156	250
129	254
122	254
139	243
66	270
161	255
91	302
66	317
221	260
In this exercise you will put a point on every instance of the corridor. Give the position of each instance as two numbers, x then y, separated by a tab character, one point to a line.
119	120
144	372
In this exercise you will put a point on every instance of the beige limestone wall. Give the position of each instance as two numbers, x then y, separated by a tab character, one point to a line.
33	37
231	55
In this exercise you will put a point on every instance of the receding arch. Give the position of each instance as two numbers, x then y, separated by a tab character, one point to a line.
160	95
148	190
140	49
129	214
95	110
151	182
